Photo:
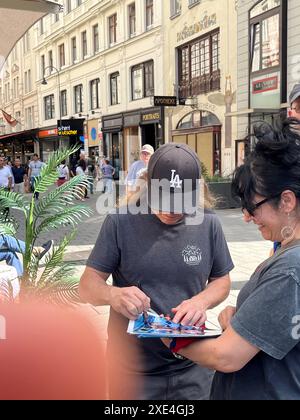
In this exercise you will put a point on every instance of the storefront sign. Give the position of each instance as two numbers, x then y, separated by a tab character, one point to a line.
151	117
72	127
47	133
93	139
165	101
265	85
204	24
265	92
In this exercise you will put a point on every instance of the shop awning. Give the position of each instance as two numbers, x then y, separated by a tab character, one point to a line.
16	17
19	134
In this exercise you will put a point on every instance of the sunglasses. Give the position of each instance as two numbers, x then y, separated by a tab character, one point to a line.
251	209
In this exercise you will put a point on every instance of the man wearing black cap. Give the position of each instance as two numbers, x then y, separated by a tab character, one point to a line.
166	260
294	99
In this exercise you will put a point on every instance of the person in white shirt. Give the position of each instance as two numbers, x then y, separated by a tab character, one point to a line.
6	180
35	168
63	173
138	167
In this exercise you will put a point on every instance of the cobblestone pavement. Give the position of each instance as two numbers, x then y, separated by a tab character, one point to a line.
247	249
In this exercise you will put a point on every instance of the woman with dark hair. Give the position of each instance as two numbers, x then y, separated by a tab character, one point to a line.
257	356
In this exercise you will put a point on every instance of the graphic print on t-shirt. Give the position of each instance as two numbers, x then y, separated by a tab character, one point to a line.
192	255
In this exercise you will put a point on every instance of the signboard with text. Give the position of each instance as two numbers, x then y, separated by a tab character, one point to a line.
165	101
72	127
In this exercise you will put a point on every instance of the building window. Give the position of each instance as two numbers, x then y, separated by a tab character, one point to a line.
49	107
26	42
28	85
142	80
199	66
68	6
61	54
149	14
193	2
83	44
15	87
63	103
265	36
29	112
41	26
175	7
43	66
112	24
115	88
131	19
78	90
79	3
94	90
50	60
74	49
95	39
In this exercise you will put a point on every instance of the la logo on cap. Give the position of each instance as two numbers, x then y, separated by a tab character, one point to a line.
175	180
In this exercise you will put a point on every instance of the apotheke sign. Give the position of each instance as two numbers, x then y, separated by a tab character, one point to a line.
165	101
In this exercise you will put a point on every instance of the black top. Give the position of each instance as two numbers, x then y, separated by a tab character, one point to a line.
18	174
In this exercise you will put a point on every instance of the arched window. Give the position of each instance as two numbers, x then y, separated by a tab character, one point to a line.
197	119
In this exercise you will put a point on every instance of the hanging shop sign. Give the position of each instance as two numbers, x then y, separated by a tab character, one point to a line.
72	127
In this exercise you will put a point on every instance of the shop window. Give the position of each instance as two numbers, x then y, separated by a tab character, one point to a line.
265	36
199	66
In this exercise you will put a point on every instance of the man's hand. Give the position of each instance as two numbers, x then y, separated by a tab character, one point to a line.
190	312
226	316
129	301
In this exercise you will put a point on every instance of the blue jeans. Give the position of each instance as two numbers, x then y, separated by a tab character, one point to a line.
9	247
108	185
32	182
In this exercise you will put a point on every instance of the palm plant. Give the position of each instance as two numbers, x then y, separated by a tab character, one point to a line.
55	209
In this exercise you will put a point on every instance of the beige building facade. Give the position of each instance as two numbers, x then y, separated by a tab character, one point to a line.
200	59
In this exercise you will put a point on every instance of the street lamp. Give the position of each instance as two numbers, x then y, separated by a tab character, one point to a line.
44	82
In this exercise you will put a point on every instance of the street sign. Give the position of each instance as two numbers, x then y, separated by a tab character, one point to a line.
165	101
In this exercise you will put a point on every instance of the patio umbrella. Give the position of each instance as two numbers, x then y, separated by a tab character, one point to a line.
16	17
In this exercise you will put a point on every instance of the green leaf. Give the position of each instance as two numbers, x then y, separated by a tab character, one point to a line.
57	200
8	228
64	292
49	173
12	200
70	215
55	260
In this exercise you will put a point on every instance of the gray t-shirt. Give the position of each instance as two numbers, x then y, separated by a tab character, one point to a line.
265	315
36	168
171	263
135	172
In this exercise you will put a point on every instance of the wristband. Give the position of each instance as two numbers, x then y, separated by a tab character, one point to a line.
179	343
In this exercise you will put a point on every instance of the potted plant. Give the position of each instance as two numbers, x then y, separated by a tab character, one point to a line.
220	187
55	209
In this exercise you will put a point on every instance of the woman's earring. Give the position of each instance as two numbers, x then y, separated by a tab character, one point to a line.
288	232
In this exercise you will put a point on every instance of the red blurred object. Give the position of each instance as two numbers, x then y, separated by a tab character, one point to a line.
49	354
9	119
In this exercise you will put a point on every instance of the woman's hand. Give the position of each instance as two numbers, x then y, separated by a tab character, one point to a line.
129	301
190	312
226	316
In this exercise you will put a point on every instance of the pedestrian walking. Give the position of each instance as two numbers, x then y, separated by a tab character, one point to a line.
20	177
160	259
108	172
63	173
35	168
257	357
136	169
6	180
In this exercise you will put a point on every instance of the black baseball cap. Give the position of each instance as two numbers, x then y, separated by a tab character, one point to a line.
174	173
295	93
